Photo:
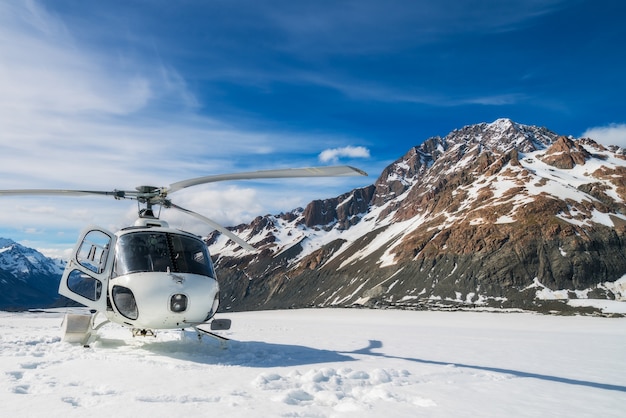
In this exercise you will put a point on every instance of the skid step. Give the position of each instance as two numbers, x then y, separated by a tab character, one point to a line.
76	328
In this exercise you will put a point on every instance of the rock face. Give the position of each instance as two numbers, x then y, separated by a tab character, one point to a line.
566	154
495	214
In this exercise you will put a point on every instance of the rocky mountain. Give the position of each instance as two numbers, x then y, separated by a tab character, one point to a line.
28	279
492	215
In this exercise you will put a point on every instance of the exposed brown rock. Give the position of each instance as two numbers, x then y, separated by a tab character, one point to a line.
565	153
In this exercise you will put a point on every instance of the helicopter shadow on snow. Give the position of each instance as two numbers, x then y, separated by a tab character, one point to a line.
258	354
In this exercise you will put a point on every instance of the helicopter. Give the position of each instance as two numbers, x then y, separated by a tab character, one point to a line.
150	276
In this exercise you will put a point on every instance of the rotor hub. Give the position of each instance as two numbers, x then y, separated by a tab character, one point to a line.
149	189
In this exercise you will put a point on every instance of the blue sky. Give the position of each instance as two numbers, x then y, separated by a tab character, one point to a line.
115	94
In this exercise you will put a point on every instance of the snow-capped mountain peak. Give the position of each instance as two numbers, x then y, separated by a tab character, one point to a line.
489	208
23	261
27	277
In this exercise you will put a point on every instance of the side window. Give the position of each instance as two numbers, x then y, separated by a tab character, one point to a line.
93	251
84	285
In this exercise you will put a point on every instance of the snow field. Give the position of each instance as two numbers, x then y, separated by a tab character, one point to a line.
322	363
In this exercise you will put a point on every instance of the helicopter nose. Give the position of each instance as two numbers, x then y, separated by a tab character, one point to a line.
178	303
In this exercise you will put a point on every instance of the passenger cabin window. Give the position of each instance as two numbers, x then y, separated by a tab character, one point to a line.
93	251
161	251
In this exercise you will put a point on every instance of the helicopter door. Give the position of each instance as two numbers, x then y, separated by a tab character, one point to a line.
87	273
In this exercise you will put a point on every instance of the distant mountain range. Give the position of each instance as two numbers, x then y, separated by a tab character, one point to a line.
496	214
28	279
493	215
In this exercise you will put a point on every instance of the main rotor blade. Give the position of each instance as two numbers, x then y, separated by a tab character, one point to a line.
215	225
324	171
58	192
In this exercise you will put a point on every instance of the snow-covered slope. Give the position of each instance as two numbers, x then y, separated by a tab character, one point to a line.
322	363
468	218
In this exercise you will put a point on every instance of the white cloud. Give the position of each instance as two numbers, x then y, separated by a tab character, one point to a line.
230	205
334	154
613	134
75	115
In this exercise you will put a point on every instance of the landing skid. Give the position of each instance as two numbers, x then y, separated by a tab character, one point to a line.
81	329
201	332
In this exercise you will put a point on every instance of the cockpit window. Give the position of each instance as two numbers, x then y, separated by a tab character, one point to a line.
161	251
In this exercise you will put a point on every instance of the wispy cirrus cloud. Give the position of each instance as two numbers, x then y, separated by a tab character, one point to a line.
323	27
75	116
47	70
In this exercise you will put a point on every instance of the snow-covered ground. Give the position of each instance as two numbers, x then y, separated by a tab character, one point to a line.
326	362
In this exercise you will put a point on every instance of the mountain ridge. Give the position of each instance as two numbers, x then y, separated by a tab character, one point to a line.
492	214
28	279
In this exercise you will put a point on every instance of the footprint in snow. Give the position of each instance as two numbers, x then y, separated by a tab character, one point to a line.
21	389
17	375
30	366
72	401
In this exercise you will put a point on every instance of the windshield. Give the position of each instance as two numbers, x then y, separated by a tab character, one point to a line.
161	251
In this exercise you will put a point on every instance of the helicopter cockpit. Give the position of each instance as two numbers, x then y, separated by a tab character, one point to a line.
159	251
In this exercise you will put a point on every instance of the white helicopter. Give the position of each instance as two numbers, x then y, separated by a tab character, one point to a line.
149	276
